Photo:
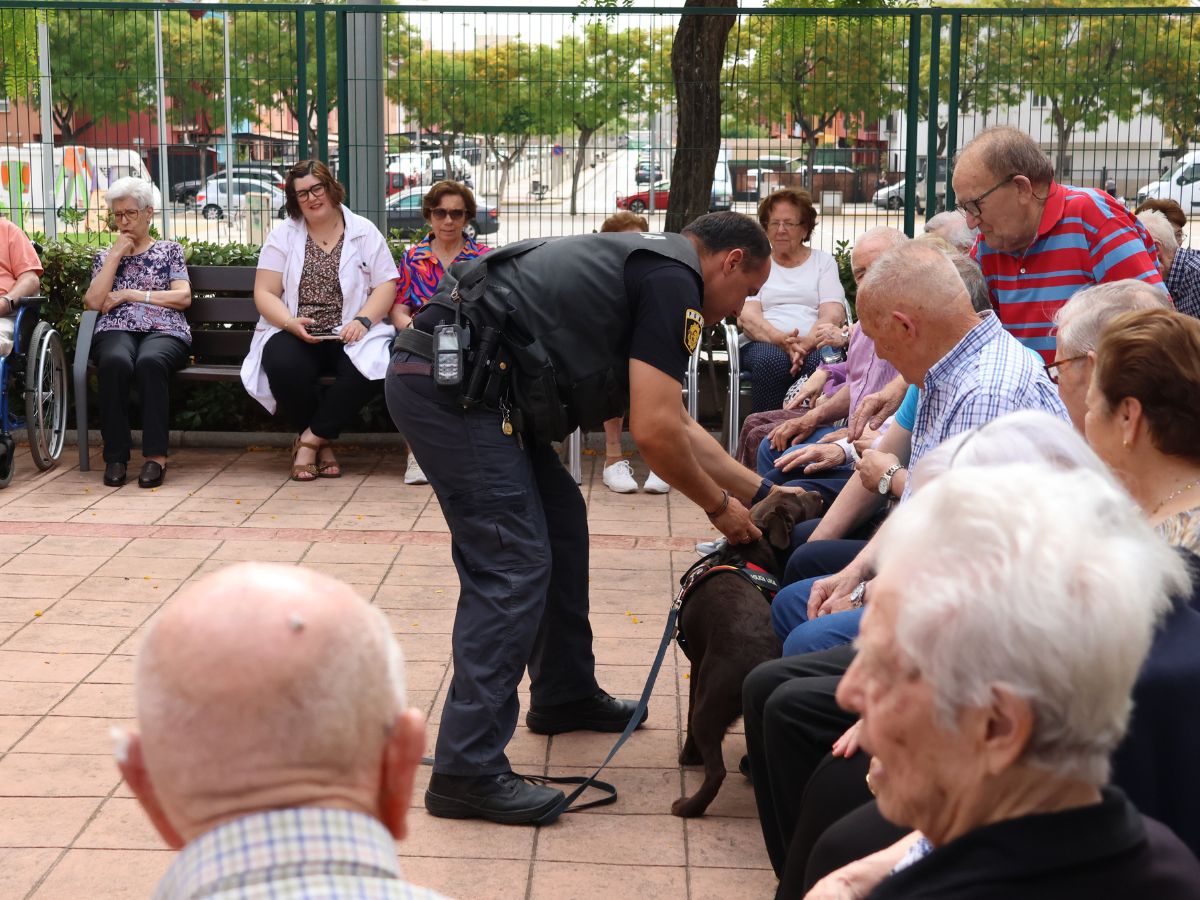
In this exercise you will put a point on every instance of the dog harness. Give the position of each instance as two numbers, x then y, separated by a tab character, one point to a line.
707	567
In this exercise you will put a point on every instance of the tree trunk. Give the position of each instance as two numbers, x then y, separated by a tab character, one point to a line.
585	135
696	58
1062	130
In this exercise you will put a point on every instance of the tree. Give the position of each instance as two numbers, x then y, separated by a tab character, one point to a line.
596	77
818	70
84	91
194	70
1169	76
696	57
443	91
18	51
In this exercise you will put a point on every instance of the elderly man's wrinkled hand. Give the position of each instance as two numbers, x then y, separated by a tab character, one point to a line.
812	458
871	466
826	591
826	335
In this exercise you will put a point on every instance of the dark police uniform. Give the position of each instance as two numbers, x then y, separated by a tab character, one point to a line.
517	519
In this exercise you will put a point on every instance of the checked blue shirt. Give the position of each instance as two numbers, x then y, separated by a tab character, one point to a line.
304	853
987	374
1183	281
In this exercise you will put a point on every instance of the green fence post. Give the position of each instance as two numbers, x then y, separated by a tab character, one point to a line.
301	87
952	103
322	97
343	91
910	136
931	129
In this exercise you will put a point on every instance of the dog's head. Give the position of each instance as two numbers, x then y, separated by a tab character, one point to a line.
775	516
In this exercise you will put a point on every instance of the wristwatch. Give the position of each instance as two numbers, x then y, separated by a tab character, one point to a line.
856	595
885	481
366	323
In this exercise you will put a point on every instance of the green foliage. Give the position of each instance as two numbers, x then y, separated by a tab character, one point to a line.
841	255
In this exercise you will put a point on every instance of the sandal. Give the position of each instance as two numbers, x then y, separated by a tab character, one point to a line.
329	468
303	471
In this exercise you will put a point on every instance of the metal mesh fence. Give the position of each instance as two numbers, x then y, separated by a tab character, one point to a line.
557	119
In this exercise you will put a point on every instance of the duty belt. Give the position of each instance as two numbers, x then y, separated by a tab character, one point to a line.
708	566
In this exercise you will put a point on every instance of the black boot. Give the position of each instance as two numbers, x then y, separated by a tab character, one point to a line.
598	713
505	798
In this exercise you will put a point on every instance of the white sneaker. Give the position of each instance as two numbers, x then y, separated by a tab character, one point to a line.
655	485
707	548
619	477
413	474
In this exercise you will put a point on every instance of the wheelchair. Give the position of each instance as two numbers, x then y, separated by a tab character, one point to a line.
38	365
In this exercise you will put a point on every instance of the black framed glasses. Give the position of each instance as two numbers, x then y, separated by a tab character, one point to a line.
971	207
439	213
314	192
1054	369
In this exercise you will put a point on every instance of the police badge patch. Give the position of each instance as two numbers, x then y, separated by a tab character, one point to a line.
693	322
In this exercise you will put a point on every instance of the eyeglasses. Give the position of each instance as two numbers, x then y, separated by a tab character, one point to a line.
440	212
1053	370
1179	237
122	215
776	224
971	207
315	192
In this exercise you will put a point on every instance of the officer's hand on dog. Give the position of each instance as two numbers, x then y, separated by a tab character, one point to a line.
734	522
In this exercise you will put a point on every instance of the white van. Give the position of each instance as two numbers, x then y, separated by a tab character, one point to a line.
1181	184
78	172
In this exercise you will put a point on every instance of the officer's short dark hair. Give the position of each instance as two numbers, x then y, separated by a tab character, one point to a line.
723	231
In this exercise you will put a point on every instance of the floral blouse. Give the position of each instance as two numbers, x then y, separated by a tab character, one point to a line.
1183	530
421	270
152	270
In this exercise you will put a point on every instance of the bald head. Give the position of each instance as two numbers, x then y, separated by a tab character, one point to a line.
872	244
914	305
263	686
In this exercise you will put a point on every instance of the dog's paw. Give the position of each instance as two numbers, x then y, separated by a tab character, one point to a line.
688	808
690	756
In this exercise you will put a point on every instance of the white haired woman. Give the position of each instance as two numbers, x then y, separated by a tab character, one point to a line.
994	677
140	286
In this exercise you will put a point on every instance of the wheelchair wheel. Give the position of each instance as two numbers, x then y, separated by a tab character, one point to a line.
7	459
45	396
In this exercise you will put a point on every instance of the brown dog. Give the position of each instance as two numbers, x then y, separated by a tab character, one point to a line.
727	622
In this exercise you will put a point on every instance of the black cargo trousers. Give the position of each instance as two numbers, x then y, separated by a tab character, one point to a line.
519	537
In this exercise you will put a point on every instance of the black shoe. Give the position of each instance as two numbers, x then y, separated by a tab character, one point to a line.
598	713
744	767
114	474
152	474
506	798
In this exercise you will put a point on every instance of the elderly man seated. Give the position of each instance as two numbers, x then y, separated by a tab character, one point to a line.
1180	267
274	745
993	688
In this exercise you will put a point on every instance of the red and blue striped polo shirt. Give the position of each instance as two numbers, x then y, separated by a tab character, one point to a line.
1084	237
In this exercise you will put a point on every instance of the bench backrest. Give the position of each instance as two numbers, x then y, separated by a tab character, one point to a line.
222	314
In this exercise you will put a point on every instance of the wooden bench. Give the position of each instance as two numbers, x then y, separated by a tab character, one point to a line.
222	317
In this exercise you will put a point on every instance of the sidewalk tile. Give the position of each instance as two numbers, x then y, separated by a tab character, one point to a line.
57	775
125	874
556	880
634	840
43	821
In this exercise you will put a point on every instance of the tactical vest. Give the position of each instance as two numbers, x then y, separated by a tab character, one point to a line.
564	318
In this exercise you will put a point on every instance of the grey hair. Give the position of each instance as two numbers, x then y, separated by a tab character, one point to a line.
952	226
1042	583
1008	151
141	191
972	278
915	266
1025	436
1081	320
1160	228
892	237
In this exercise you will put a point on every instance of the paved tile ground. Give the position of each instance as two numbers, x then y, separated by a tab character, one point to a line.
84	568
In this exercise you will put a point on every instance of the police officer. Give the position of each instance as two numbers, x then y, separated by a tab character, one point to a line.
617	316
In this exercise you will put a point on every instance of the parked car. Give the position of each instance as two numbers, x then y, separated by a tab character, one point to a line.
647	172
1181	183
719	201
892	197
404	214
185	191
213	202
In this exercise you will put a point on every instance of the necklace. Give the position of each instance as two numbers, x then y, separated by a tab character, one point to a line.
1178	492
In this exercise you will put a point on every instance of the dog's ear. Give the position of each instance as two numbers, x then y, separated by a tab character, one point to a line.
777	525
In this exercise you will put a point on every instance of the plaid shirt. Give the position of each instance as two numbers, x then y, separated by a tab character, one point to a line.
1183	281
291	854
987	374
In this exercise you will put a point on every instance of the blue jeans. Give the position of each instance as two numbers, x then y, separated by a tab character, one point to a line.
768	455
789	618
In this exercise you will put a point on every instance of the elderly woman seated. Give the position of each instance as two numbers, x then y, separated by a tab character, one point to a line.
993	679
141	288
